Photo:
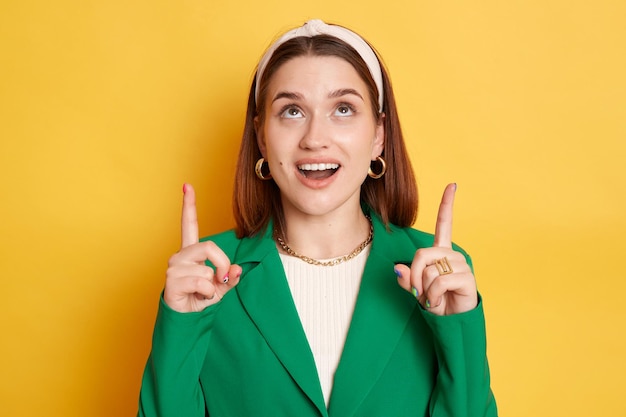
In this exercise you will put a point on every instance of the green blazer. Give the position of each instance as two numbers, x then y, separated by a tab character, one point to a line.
248	354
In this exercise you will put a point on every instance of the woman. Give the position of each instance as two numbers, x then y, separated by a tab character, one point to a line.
296	312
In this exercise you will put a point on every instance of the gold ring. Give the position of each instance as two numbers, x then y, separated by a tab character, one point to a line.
443	266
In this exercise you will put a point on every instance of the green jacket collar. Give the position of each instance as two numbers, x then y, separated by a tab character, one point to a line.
381	313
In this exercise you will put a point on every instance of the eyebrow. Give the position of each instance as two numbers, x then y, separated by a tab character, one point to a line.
333	94
344	92
288	95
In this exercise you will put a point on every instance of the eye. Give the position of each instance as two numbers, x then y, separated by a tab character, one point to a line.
344	110
291	112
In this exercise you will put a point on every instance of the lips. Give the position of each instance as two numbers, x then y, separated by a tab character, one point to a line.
318	170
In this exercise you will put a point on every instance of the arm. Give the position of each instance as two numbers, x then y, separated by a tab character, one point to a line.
442	279
463	383
171	384
198	276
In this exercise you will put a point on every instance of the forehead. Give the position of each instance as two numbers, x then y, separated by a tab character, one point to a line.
319	72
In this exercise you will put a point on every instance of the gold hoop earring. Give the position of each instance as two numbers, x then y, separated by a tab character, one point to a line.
258	169
383	169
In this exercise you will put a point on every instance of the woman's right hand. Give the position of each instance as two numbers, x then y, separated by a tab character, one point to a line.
191	285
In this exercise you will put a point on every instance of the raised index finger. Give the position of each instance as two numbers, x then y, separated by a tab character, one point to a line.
443	230
189	220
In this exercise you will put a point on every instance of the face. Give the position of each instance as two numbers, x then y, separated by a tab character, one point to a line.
319	135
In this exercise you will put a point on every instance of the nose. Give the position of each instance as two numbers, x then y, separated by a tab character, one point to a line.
316	134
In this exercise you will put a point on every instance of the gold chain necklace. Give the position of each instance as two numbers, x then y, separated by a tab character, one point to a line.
331	262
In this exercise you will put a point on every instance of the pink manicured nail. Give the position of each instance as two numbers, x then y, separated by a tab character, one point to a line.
184	188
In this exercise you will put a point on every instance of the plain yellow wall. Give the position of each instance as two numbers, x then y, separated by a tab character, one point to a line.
108	107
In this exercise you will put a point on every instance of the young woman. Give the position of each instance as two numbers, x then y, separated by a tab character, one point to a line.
323	301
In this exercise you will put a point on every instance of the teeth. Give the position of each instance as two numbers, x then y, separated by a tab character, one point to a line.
317	167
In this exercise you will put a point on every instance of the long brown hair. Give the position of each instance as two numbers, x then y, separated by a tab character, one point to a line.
393	197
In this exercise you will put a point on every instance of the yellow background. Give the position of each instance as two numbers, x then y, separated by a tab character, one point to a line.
108	107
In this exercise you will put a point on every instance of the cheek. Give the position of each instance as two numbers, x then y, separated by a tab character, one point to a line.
363	141
272	135
275	158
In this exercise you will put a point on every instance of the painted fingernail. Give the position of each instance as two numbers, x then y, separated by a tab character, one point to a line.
225	279
398	273
185	188
455	186
427	304
414	292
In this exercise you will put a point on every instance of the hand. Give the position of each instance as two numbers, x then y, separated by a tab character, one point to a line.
445	294
191	285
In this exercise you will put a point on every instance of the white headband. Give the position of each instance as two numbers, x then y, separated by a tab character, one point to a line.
317	27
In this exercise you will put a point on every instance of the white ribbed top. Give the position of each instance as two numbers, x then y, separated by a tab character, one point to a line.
325	297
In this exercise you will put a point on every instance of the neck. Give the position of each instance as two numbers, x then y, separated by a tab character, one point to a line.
326	236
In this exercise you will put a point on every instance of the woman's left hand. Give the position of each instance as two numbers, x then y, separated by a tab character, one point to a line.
440	277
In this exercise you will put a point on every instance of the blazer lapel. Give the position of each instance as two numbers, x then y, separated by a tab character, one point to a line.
380	316
265	295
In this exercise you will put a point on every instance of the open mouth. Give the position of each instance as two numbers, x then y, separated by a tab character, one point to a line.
318	171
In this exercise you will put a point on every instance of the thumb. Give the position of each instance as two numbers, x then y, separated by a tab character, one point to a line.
403	273
227	282
234	272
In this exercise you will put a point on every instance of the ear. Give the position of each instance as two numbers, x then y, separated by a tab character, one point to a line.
260	140
379	139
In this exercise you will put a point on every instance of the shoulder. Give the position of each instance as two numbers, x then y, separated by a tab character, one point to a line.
246	249
424	239
430	238
226	241
418	239
394	234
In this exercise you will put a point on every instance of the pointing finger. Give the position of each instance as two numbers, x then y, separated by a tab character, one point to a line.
443	230
189	220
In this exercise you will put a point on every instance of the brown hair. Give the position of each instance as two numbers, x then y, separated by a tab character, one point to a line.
393	197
